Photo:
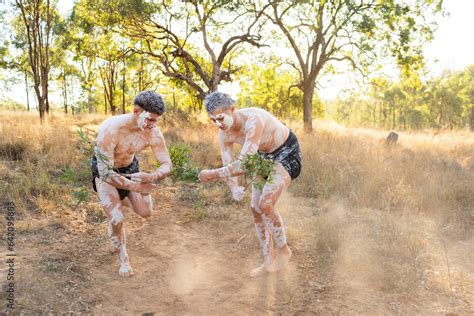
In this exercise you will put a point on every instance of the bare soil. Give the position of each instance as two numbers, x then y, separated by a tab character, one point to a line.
194	259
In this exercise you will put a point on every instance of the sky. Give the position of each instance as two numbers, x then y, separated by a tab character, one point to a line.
451	49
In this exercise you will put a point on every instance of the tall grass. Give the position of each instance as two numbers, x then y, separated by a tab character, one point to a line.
370	215
36	156
418	174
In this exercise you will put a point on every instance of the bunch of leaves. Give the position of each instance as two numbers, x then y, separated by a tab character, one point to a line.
184	169
258	170
88	148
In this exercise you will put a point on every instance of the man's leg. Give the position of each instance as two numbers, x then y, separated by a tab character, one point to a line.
141	204
126	202
263	234
110	201
272	218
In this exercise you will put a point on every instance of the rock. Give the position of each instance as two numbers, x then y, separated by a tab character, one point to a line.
392	138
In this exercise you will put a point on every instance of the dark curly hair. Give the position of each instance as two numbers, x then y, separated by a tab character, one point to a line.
150	101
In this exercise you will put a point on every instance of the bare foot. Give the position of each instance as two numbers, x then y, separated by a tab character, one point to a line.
260	270
283	255
125	270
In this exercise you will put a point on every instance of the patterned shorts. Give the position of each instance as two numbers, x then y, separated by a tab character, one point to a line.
289	155
131	168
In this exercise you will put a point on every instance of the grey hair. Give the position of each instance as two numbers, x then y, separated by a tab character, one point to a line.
150	101
217	100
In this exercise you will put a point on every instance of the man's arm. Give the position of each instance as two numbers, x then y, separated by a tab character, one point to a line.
227	152
253	135
104	152
158	146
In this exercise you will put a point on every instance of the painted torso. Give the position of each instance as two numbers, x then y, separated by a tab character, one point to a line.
116	135
274	132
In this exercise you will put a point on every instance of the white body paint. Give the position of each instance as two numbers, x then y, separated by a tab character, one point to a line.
142	119
223	121
116	216
118	139
256	130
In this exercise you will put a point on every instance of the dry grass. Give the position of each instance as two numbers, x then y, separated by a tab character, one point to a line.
431	174
419	174
381	217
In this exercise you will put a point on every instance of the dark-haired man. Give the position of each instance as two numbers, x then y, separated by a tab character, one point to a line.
257	131
115	169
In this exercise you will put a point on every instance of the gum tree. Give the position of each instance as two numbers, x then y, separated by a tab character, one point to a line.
359	32
35	34
197	43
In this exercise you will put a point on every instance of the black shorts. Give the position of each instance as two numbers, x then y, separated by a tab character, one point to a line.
289	155
132	168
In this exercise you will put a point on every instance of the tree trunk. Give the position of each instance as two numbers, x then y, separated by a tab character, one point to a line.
471	123
27	94
65	93
308	107
90	103
393	115
105	103
140	75
123	88
41	108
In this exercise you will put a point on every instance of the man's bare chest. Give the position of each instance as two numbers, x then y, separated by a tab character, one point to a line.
131	144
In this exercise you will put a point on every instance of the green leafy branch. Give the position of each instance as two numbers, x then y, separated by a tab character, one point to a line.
258	170
184	169
89	148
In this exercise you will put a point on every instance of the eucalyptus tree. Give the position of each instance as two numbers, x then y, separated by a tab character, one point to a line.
359	32
194	41
99	51
35	33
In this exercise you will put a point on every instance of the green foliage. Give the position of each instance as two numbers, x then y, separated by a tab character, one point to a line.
183	167
442	102
258	170
10	104
200	211
80	195
68	176
268	85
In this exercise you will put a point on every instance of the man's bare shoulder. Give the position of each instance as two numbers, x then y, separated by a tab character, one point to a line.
114	123
155	136
254	112
112	128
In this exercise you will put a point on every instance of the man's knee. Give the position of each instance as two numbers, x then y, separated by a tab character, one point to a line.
146	213
265	205
116	216
256	212
144	210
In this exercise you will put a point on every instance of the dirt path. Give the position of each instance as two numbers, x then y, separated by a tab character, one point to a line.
200	268
345	261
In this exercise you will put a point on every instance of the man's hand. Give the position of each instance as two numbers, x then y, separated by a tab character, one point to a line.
143	188
141	177
206	175
238	193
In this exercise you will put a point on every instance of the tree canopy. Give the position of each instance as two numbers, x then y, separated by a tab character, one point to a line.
274	51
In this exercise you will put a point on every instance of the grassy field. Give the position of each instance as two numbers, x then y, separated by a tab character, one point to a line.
390	227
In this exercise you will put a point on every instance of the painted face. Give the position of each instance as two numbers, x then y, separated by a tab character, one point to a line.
147	120
223	120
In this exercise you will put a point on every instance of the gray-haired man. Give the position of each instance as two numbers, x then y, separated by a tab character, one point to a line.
257	131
